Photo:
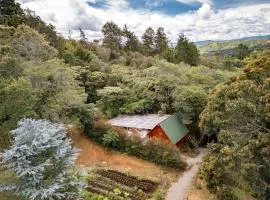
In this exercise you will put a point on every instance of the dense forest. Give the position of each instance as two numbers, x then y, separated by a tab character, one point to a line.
47	80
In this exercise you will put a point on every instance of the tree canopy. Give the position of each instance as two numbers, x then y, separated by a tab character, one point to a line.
238	113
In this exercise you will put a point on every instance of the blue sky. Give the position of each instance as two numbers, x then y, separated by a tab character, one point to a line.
174	7
197	19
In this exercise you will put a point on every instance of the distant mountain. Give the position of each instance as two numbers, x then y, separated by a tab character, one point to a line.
206	42
227	47
260	37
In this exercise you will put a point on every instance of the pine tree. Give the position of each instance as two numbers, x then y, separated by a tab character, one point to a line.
112	38
43	159
83	38
161	41
131	41
148	38
186	51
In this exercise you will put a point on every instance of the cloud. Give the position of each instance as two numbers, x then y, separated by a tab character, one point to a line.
195	1
205	12
204	24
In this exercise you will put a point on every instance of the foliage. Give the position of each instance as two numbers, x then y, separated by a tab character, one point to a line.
30	88
6	34
148	40
27	43
97	134
55	89
232	63
83	38
110	140
227	193
161	41
237	112
162	87
76	54
31	45
48	30
42	158
11	14
7	176
186	51
131	41
190	101
16	101
92	196
10	67
112	38
242	51
111	99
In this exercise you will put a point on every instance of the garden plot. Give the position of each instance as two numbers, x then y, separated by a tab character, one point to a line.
118	186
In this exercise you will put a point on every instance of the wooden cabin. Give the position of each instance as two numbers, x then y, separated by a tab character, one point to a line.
166	127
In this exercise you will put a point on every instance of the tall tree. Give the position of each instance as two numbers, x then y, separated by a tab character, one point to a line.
131	40
161	41
148	38
83	38
186	51
112	38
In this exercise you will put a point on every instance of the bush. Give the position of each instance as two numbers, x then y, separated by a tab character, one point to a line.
97	134
110	139
92	196
227	193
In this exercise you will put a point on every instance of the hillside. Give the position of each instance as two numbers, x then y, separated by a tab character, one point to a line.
226	47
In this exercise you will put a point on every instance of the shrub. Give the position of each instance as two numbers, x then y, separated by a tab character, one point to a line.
92	196
97	134
227	193
110	139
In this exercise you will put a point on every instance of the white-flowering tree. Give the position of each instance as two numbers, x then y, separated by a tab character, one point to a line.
43	160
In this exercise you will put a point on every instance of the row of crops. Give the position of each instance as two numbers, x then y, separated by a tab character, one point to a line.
119	186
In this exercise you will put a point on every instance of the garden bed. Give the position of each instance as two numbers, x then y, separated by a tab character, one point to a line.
117	185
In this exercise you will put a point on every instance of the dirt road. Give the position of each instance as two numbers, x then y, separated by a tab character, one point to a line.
178	189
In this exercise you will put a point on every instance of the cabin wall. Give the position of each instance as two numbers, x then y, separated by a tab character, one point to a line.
159	133
181	143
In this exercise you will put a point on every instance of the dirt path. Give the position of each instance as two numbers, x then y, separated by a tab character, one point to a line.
178	189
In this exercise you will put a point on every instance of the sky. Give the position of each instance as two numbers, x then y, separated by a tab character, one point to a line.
199	20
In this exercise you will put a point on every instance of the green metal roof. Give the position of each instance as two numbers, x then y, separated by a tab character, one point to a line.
174	128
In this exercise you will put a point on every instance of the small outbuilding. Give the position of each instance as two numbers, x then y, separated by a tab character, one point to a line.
166	127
